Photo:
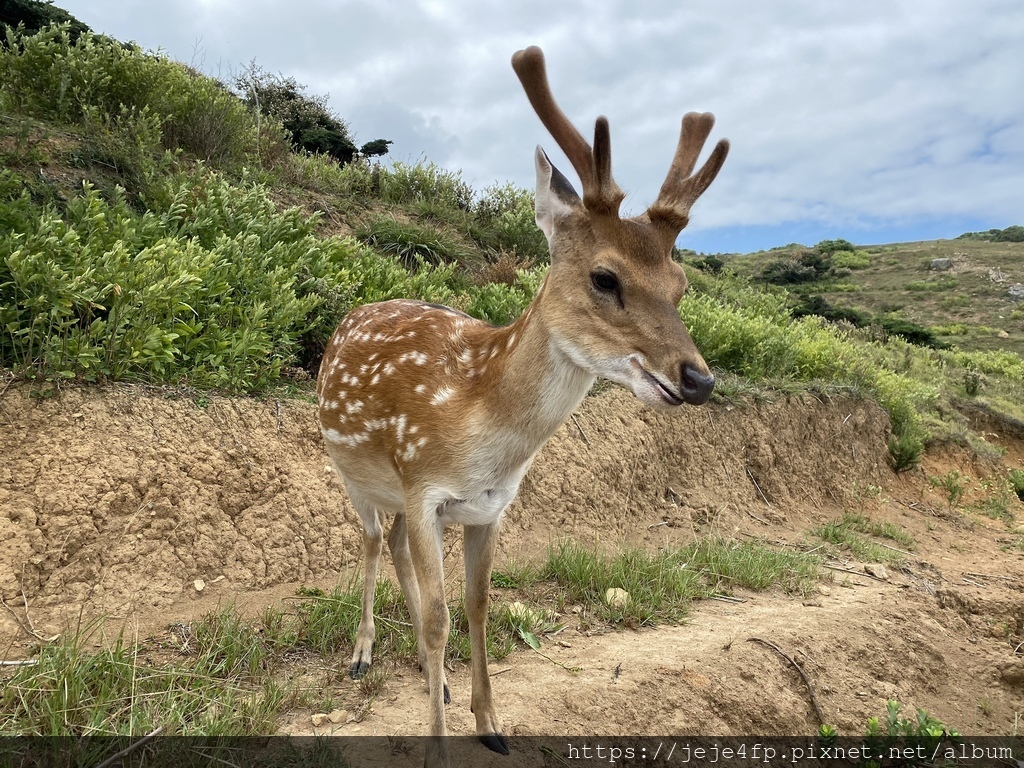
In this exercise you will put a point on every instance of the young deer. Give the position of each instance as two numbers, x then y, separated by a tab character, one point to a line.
434	417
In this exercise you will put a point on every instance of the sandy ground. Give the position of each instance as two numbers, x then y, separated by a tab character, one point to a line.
114	502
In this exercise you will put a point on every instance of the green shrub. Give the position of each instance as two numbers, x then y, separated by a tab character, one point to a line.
213	285
831	246
851	260
505	218
106	86
404	183
413	243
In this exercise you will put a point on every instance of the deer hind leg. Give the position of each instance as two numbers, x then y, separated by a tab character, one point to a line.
479	543
373	539
424	535
398	543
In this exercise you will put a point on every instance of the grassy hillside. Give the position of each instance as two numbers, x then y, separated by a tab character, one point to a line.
154	228
967	305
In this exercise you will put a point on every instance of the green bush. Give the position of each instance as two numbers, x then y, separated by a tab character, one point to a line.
405	183
851	260
213	285
831	246
504	215
106	86
413	243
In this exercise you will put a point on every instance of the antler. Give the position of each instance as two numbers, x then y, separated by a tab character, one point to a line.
671	211
594	166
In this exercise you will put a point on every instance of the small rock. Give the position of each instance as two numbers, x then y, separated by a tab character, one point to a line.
941	265
338	716
318	719
823	590
878	571
199	584
1003	335
1016	291
616	597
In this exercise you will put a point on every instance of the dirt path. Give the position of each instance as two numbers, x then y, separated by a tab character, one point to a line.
114	502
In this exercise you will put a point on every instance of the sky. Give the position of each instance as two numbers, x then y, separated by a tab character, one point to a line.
877	121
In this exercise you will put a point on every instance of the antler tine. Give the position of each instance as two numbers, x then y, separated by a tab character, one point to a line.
682	187
600	192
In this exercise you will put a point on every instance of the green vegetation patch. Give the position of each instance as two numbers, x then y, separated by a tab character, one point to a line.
854	533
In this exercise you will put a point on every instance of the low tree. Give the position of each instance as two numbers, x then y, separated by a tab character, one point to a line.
35	15
307	118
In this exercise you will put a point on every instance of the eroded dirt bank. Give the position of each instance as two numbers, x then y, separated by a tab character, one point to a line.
116	501
121	498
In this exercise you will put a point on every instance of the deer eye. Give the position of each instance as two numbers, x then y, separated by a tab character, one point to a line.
604	281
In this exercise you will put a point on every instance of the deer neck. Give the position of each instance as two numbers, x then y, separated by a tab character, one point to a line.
536	385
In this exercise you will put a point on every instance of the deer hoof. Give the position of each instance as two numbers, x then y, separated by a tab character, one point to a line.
358	669
447	695
495	742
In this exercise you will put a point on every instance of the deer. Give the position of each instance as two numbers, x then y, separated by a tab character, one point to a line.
433	418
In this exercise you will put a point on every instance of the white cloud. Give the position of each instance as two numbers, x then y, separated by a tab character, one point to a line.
871	114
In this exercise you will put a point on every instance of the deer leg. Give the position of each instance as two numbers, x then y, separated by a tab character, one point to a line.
424	533
398	543
373	538
479	543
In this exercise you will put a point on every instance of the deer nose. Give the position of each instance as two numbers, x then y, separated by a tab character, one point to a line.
696	385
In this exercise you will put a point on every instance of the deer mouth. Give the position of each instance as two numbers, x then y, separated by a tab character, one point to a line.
667	394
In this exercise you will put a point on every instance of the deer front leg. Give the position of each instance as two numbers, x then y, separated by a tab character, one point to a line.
424	533
479	543
373	538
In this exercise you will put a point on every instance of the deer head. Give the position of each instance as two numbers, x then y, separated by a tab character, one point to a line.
614	287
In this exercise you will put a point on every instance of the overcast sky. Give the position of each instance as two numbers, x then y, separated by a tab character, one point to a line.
877	121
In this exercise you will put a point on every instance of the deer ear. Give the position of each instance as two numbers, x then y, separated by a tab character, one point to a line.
555	198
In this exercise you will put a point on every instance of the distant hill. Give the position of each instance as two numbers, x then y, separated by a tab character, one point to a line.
1014	234
964	293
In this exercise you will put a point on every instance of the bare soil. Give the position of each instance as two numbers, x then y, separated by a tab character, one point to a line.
115	501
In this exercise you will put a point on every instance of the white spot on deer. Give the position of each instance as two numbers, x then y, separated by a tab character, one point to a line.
421	388
389	369
466	356
337	438
353	440
510	341
413	429
355	406
419	358
372	357
443	395
494	351
375	379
